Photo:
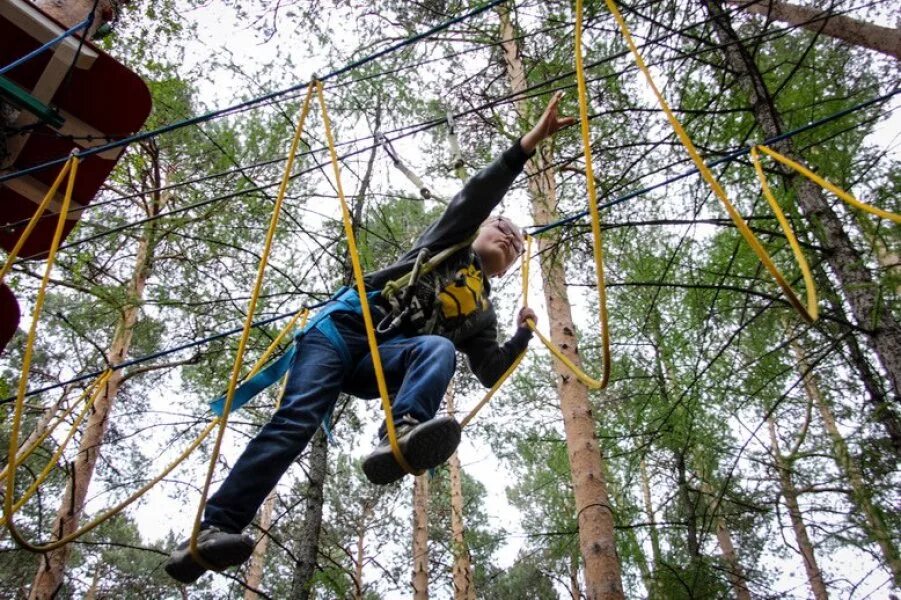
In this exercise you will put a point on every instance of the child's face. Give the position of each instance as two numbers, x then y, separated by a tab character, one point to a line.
498	244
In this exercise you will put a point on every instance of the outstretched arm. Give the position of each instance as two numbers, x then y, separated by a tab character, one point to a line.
549	124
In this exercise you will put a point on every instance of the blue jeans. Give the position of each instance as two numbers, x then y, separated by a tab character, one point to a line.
417	372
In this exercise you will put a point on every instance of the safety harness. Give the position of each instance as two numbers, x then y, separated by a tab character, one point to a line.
406	312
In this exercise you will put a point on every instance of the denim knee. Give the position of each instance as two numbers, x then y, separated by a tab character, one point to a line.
439	349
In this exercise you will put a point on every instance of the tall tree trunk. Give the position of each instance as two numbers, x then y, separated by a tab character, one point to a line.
603	580
258	559
464	588
737	577
805	547
72	12
689	512
420	577
50	573
853	31
874	523
306	546
882	409
361	552
856	283
575	590
656	556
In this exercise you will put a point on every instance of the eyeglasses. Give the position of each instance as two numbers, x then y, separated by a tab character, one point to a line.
511	231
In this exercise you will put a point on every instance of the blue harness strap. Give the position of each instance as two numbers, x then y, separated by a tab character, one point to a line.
344	300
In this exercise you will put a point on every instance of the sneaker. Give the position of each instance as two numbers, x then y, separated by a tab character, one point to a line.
219	548
424	446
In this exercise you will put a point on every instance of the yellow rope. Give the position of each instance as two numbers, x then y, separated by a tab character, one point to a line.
361	290
36	217
248	323
812	309
894	217
88	394
708	176
29	352
595	227
525	303
96	390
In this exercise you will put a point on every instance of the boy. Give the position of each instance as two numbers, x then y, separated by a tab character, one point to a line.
445	308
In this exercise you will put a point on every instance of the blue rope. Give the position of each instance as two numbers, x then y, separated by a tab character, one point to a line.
539	229
86	24
254	101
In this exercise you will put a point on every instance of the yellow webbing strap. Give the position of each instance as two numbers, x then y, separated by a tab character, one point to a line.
361	290
248	324
826	185
16	423
91	393
595	227
582	376
113	511
707	174
812	309
32	223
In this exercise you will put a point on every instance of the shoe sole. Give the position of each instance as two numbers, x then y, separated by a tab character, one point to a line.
182	566
427	446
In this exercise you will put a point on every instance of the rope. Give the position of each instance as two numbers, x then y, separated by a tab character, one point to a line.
708	176
826	185
32	223
738	153
85	24
595	223
29	351
261	99
361	290
525	303
248	323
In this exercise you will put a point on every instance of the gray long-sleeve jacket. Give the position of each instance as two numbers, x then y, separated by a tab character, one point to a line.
457	290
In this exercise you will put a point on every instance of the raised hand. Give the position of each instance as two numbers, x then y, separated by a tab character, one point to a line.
549	124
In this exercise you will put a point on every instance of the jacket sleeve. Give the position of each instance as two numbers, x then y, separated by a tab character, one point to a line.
474	203
488	359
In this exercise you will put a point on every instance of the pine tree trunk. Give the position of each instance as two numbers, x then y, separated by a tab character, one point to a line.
874	522
856	283
853	31
464	589
737	577
361	552
787	486
882	410
50	573
306	545
258	559
603	580
575	590
72	12
420	577
656	556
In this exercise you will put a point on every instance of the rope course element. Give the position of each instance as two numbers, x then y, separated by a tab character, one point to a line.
85	24
731	156
261	99
71	170
245	333
533	231
97	387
